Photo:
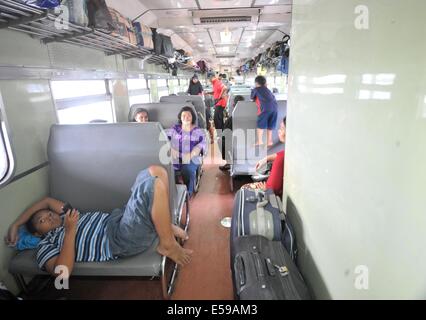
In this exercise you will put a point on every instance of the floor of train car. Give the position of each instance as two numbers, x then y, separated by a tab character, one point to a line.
208	276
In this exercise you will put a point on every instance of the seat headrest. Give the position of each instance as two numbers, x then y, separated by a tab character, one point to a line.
164	113
93	166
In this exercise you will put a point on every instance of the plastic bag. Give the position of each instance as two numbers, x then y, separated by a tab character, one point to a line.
48	3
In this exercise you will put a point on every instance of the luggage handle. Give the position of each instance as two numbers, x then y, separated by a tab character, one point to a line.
270	267
258	265
241	271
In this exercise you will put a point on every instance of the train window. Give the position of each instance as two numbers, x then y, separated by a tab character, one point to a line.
6	159
162	88
184	83
271	82
138	91
174	86
250	81
80	102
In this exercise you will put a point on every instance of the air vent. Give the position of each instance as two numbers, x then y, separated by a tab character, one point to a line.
240	15
212	20
225	56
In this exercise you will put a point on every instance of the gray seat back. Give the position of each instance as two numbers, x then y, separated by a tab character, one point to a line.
244	132
164	113
244	126
232	96
282	112
94	166
196	101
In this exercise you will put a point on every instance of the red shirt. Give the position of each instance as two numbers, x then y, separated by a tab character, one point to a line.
217	90
276	178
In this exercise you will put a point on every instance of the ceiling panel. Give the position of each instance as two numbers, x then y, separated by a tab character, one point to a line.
172	14
167	4
216	4
226	50
235	38
272	2
188	29
277	9
255	36
200	37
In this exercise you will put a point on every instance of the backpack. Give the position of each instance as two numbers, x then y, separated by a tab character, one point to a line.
283	65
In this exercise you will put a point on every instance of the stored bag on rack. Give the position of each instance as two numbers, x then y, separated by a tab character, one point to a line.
157	40
77	12
99	15
202	65
283	65
49	4
122	25
167	46
261	70
143	35
263	270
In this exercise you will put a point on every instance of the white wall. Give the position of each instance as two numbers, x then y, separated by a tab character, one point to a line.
355	175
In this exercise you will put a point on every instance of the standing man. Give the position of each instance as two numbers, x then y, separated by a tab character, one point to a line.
219	96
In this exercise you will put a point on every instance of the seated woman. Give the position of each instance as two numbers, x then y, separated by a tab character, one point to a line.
195	88
98	236
187	142
141	115
276	178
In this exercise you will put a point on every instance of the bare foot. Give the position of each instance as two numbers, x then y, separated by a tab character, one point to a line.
175	252
179	232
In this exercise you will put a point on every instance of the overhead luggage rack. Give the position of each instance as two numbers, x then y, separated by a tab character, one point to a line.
46	26
158	59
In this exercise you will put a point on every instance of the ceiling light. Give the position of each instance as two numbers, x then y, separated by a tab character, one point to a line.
226	36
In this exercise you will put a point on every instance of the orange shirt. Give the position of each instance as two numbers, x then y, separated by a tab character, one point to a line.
276	178
217	90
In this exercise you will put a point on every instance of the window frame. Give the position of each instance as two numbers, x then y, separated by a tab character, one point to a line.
69	103
7	144
139	92
162	88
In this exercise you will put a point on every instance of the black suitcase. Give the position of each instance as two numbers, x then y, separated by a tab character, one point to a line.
270	223
263	270
167	46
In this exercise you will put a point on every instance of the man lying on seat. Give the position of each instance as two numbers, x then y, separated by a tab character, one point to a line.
98	236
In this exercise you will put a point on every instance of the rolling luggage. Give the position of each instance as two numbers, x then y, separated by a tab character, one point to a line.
258	212
263	270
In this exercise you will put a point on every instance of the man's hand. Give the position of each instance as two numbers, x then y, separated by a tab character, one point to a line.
12	236
260	163
71	220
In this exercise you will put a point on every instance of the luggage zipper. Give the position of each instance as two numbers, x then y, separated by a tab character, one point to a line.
286	281
241	214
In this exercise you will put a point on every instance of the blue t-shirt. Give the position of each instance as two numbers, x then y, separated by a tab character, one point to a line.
91	241
265	100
